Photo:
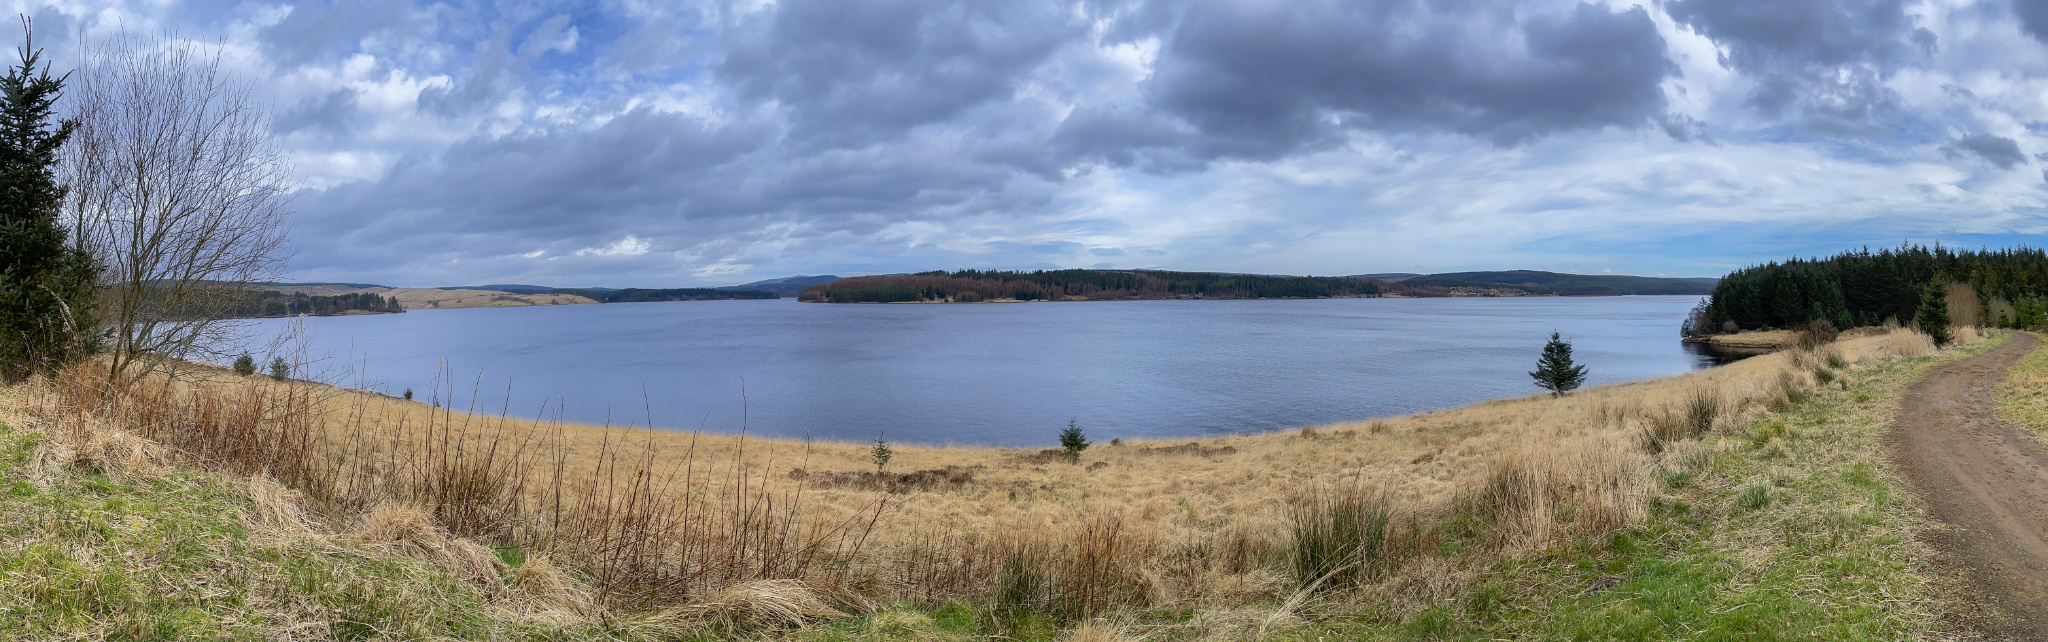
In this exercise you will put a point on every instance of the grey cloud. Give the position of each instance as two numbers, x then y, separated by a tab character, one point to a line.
1057	247
1262	80
1997	150
547	34
1107	251
1681	127
317	30
849	73
333	113
685	186
1825	58
2033	15
1130	136
492	75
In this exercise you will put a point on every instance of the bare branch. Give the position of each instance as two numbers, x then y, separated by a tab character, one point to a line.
178	187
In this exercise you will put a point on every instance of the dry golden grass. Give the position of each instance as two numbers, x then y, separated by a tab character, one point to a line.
438	299
1139	524
1764	340
1239	488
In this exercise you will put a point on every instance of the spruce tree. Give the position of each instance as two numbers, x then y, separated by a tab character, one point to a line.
1933	314
880	455
1555	371
1073	441
47	286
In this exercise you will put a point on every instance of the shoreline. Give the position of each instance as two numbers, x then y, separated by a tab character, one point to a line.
1080	299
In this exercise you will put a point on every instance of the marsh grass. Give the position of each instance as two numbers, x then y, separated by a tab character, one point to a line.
1339	535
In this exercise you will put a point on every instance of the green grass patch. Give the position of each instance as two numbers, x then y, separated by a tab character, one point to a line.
2023	392
93	557
1790	528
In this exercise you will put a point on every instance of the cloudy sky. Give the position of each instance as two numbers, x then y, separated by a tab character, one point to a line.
677	142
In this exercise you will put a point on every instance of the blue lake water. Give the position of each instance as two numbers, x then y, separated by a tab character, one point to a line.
1000	374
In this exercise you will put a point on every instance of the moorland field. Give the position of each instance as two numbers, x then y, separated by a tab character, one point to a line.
1748	499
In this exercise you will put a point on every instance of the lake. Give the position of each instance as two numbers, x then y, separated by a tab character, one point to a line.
993	374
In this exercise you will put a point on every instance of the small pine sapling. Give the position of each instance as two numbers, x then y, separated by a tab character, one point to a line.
245	365
1073	441
408	394
881	454
279	369
1555	371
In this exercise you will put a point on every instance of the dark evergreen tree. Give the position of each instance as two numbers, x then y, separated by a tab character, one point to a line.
1555	371
47	285
880	454
1933	315
279	369
1073	441
245	365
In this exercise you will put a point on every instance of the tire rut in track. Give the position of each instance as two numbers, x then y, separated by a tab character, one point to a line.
1987	478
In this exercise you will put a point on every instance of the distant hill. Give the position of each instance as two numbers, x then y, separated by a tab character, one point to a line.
973	286
784	287
503	287
637	295
357	286
521	289
1539	282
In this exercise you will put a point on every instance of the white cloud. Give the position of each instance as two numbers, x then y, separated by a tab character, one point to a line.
629	246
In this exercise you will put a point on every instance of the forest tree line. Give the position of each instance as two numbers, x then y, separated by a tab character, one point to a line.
272	303
971	286
2002	288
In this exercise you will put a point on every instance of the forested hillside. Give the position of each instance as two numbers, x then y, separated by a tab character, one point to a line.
968	286
1538	282
2005	287
638	295
272	303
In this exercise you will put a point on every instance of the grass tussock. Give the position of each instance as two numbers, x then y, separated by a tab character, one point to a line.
641	533
1340	533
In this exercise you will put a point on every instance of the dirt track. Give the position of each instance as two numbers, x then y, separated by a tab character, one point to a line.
1987	478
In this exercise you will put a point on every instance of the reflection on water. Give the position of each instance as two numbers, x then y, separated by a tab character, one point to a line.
1710	356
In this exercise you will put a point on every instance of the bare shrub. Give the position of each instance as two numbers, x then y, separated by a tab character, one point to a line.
1103	567
1816	334
178	189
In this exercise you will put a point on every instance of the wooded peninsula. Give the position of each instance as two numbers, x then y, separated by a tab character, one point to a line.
272	303
2002	288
